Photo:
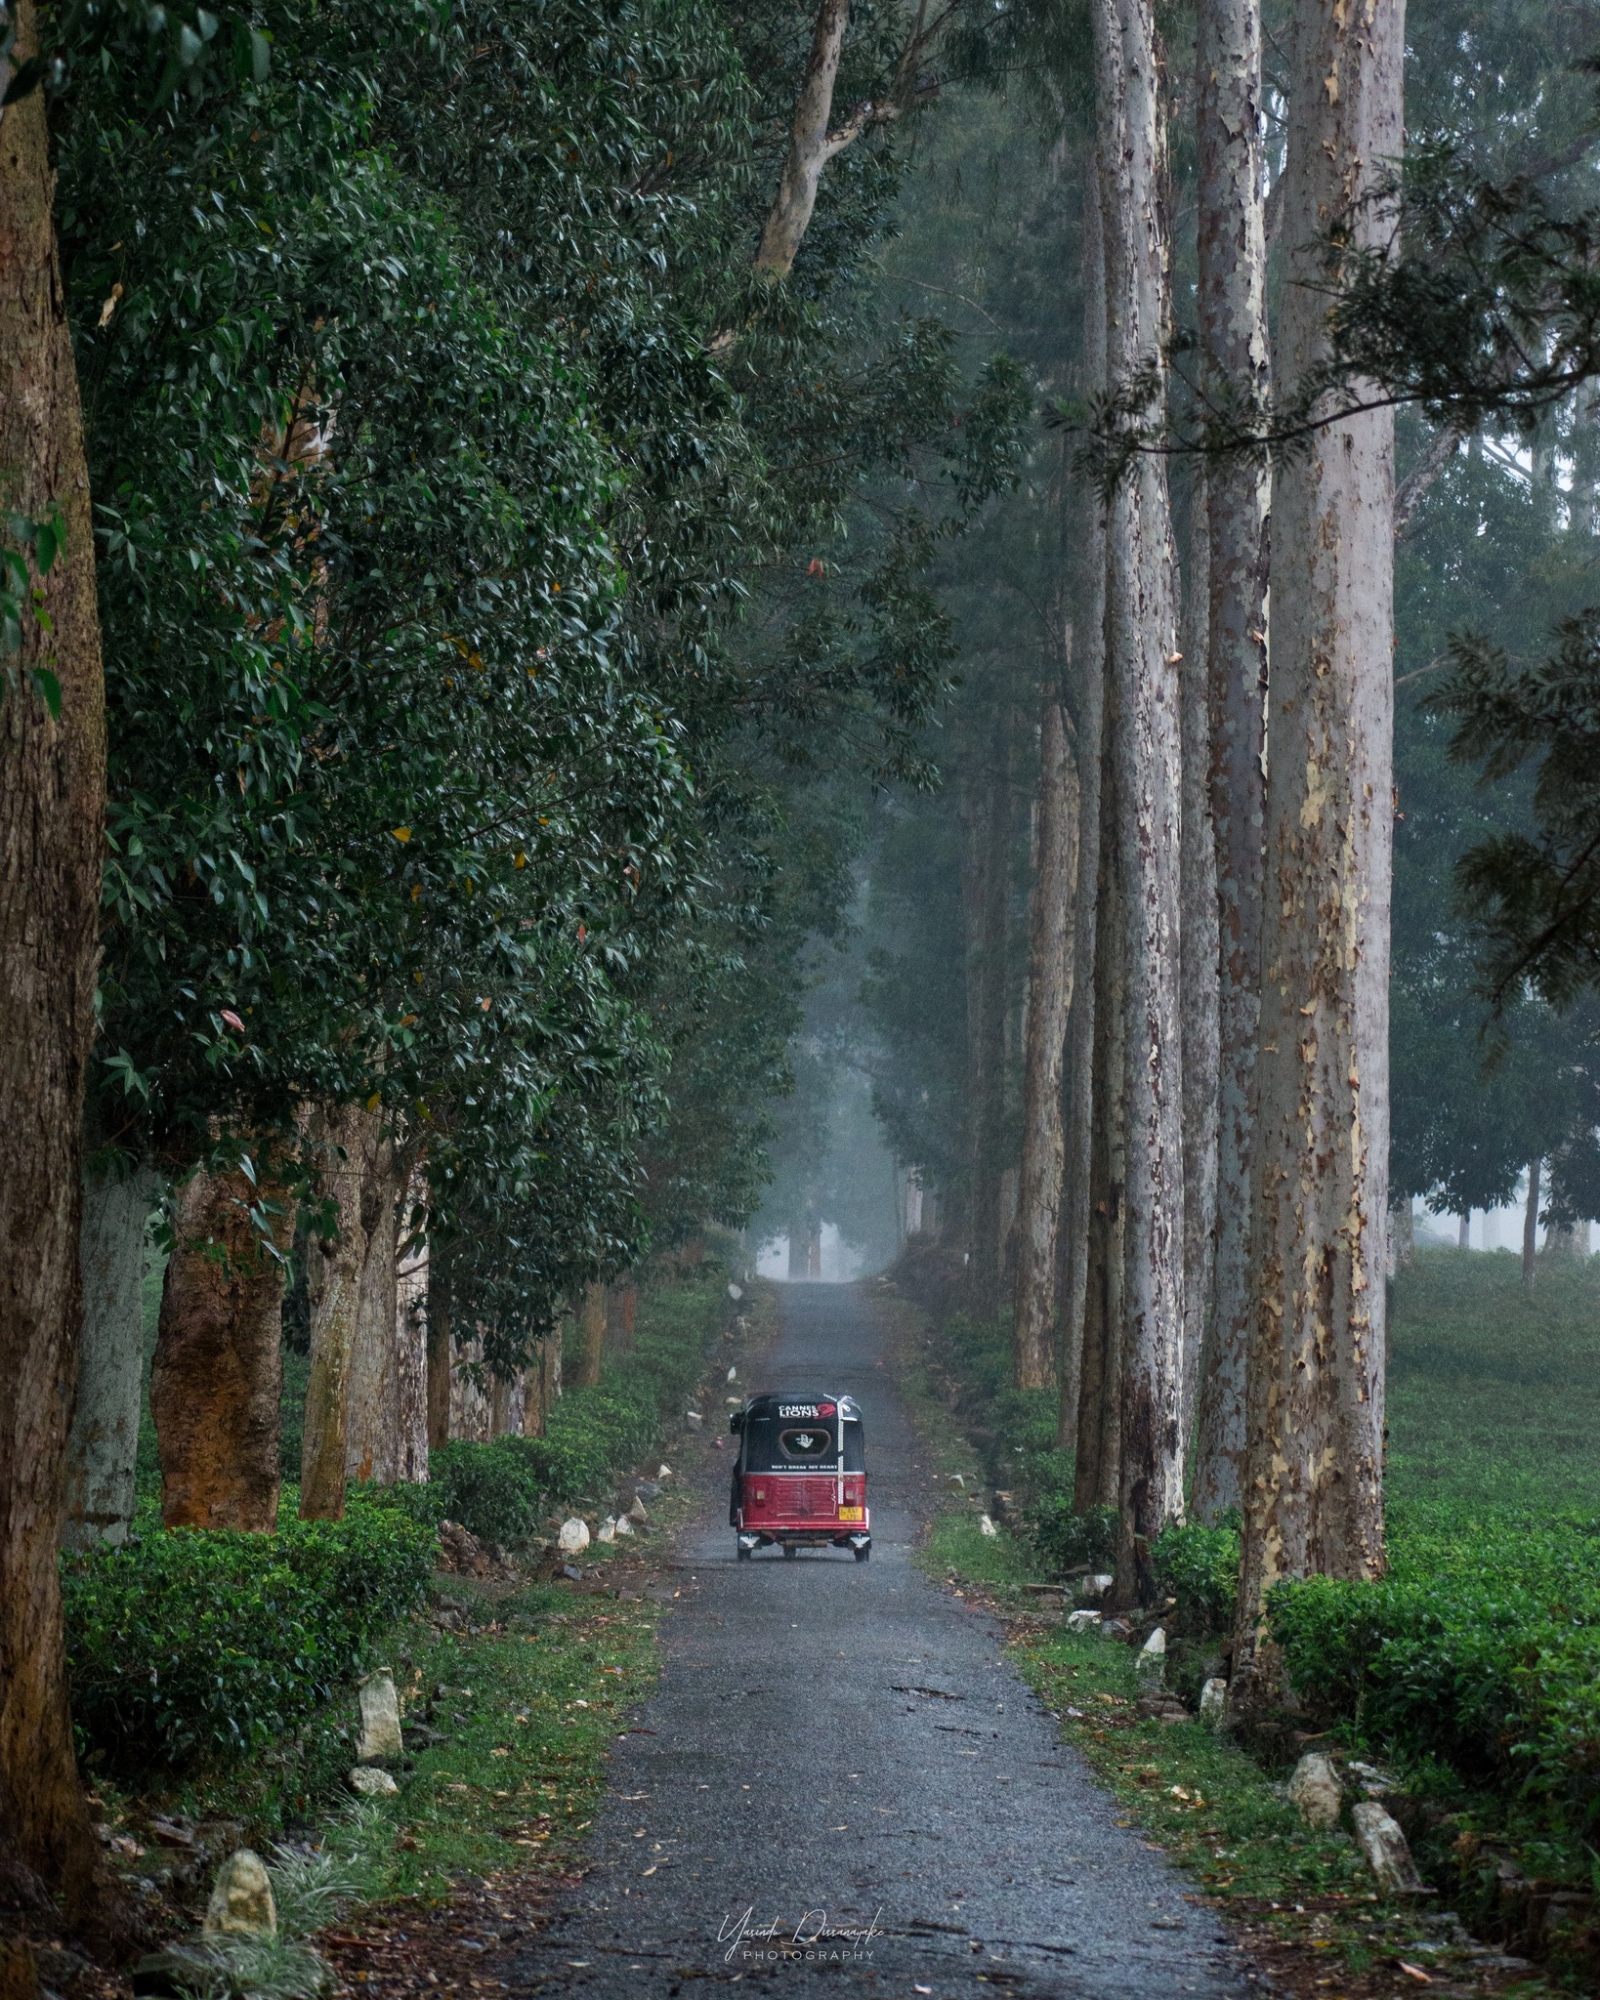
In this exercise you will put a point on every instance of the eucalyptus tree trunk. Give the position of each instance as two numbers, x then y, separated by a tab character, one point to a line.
1530	1226
542	1385
1097	1474
591	1335
1050	970
345	1138
441	1334
811	145
985	898
411	1342
1089	659
1199	962
1142	662
216	1382
103	1445
372	1439
1402	1232
52	793
1313	1490
1231	245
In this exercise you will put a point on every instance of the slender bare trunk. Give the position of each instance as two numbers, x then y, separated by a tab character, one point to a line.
1199	959
1313	1499
345	1138
1097	1477
103	1446
216	1382
1142	661
372	1438
52	790
985	899
626	1299
1464	1233
469	1403
1089	657
441	1335
1530	1225
1050	970
591	1335
811	145
411	1348
1402	1232
1231	244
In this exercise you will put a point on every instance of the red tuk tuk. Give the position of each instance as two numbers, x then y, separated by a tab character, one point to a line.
800	1478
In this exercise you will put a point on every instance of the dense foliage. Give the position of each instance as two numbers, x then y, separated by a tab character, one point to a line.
191	1645
506	599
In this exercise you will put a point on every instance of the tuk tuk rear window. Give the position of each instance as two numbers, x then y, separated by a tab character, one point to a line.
785	1444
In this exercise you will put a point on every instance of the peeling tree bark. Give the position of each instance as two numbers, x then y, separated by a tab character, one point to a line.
1231	242
1313	1501
372	1442
1097	1474
216	1382
1199	957
1142	661
103	1446
441	1334
1050	971
1089	656
411	1343
52	793
345	1137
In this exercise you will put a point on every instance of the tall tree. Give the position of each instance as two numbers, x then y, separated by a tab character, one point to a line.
986	824
346	1136
1313	1491
52	789
216	1378
1078	1219
1201	1028
1142	661
1051	940
1231	254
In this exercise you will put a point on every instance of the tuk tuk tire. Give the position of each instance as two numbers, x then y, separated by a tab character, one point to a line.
790	1550
742	1551
863	1552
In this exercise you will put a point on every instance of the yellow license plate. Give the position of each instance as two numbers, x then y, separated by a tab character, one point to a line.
852	1513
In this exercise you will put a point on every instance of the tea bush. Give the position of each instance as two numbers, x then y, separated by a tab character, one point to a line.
195	1642
1200	1567
1481	1648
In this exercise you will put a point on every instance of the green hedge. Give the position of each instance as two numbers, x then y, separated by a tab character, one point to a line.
1481	1647
191	1643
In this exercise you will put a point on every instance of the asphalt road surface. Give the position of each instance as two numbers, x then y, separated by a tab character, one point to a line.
846	1788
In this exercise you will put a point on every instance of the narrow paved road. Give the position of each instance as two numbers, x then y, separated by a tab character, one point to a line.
840	1748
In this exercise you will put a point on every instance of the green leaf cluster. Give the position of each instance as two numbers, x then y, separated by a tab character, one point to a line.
189	1645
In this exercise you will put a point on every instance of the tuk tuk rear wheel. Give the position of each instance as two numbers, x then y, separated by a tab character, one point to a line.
743	1552
863	1552
790	1550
